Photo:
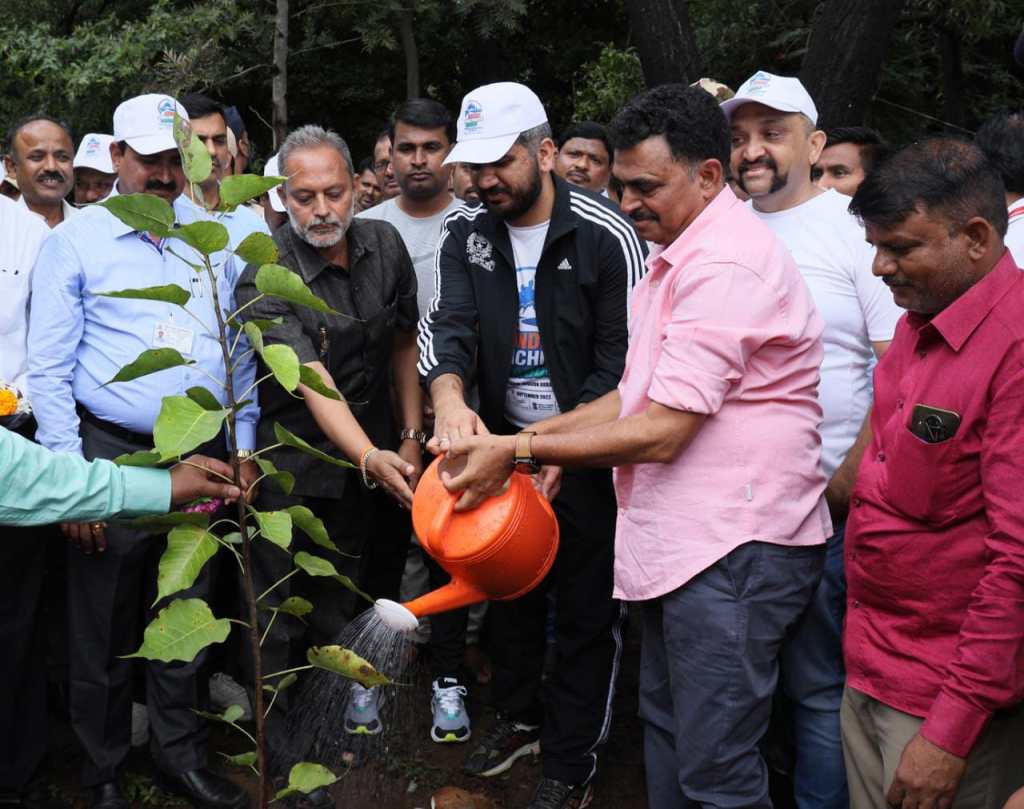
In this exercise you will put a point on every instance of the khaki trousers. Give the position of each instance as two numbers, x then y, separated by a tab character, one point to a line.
874	736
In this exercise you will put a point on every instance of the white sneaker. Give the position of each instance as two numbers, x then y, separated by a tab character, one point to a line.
448	704
140	724
362	717
225	692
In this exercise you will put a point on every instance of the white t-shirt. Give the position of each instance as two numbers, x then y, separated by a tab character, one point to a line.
827	243
420	235
1015	233
21	234
529	397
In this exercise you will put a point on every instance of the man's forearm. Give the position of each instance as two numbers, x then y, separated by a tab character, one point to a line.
334	418
841	485
657	435
591	414
447	392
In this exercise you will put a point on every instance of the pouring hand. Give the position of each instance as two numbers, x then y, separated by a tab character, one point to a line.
488	466
454	423
392	472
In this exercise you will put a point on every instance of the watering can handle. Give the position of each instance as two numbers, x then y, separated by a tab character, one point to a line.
439	525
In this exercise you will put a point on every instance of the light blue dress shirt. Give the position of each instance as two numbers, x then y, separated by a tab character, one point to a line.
42	487
79	340
240	222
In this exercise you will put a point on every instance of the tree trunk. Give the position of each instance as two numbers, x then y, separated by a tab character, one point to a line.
664	38
412	56
953	111
279	87
848	43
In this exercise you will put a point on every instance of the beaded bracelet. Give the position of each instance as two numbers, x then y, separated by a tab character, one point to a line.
367	481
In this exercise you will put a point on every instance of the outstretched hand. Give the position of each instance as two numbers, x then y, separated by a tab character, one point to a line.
199	476
394	473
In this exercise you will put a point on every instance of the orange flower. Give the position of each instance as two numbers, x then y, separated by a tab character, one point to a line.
8	402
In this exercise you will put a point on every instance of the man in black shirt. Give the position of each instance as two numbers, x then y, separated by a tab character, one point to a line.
360	268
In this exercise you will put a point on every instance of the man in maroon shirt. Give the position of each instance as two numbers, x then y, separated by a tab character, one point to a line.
934	640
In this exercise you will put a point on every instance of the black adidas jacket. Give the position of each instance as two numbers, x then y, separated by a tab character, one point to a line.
591	260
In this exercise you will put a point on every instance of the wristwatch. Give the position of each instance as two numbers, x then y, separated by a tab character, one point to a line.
409	434
524	461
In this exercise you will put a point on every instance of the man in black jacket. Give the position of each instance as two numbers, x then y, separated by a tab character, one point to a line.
531	302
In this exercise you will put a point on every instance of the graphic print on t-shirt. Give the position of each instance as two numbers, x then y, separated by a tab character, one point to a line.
529	397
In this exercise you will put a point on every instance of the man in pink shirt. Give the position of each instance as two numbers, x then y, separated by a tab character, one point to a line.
713	433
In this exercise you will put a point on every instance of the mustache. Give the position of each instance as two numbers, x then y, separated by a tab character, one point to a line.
643	216
157	185
766	161
52	175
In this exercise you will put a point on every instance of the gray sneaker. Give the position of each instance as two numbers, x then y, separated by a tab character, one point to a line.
362	717
451	721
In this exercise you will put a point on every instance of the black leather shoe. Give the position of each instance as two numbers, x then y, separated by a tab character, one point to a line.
205	789
109	796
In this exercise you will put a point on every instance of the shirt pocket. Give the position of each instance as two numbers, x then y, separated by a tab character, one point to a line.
926	482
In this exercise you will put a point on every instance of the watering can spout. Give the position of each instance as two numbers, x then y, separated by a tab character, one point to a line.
453	595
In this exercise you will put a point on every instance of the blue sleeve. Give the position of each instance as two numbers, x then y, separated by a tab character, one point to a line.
56	323
43	487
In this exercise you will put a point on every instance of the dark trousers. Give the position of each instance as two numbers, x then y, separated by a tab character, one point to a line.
105	594
368	526
813	676
573	704
447	629
23	661
709	666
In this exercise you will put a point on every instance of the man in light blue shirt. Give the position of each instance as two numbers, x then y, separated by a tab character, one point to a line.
207	120
78	340
43	487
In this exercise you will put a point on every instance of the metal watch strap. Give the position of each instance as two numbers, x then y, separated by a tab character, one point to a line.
418	436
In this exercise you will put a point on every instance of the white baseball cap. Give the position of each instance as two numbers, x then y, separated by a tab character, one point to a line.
271	170
491	119
782	93
94	153
146	122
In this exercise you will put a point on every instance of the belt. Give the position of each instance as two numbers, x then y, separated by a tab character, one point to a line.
122	433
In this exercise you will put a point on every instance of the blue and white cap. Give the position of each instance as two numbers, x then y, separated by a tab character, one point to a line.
94	153
146	122
782	93
491	119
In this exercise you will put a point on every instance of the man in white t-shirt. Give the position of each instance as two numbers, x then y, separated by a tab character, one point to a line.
421	134
775	143
1001	138
569	259
22	556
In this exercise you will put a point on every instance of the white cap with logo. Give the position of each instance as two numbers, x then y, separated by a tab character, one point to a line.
146	122
491	119
94	153
782	93
270	170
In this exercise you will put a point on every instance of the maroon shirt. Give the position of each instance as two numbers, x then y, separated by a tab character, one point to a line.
935	537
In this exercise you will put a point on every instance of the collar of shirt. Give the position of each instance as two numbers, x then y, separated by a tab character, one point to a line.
311	263
1016	209
68	209
957	322
678	252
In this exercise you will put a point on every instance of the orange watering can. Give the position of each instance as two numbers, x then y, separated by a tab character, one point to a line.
499	550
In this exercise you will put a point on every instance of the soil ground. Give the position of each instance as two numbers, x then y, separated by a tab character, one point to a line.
408	777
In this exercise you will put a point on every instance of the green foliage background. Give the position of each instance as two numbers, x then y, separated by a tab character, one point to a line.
79	58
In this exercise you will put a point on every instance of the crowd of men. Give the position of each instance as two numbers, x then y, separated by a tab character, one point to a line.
769	376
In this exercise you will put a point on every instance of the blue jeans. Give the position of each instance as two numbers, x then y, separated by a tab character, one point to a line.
709	666
813	676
